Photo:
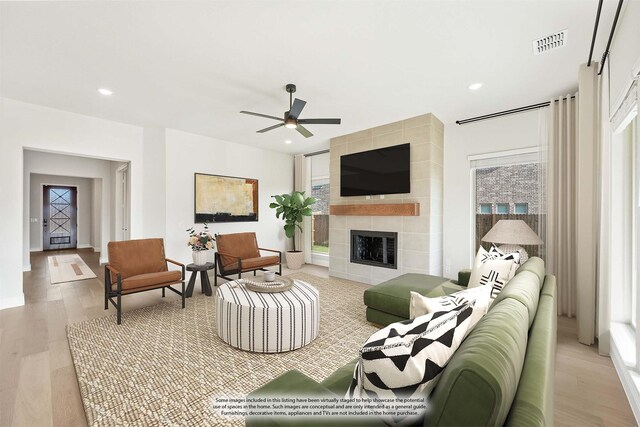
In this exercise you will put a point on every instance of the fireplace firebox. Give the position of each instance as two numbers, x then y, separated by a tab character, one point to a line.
377	248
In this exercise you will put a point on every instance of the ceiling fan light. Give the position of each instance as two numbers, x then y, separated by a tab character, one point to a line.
290	124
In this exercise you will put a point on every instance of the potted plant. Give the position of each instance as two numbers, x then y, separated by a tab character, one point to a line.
293	208
200	242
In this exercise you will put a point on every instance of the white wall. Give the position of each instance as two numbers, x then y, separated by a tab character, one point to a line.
154	157
187	154
84	204
625	51
28	126
37	162
487	136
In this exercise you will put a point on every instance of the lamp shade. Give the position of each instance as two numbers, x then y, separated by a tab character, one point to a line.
512	232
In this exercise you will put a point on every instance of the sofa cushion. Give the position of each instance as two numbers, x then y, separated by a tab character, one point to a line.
134	257
524	288
533	404
481	380
150	279
536	266
339	381
393	295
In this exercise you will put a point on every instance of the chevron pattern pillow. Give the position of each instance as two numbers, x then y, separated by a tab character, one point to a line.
405	359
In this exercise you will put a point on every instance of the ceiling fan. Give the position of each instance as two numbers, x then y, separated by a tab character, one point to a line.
291	118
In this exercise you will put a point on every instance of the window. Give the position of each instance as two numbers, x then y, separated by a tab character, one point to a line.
521	208
320	220
505	179
502	208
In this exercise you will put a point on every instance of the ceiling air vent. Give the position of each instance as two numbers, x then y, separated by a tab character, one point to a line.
550	42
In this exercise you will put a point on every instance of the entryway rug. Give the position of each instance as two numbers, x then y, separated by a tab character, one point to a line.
68	268
164	365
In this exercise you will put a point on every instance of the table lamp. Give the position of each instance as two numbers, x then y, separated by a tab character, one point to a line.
512	233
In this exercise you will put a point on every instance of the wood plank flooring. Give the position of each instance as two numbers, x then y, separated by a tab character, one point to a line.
38	385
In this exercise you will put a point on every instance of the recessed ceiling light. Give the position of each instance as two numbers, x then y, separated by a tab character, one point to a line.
288	141
105	92
475	86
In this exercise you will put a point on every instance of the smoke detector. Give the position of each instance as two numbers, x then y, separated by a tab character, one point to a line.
550	42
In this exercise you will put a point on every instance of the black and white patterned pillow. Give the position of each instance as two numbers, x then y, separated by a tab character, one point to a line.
494	260
406	358
497	253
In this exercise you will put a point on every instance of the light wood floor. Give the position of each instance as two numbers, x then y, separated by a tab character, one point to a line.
38	385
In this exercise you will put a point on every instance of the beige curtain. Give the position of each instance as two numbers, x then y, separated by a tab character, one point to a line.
301	183
562	199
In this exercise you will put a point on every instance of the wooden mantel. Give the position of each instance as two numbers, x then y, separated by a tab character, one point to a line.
380	209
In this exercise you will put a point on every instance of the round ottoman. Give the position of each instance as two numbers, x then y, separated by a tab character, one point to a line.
267	322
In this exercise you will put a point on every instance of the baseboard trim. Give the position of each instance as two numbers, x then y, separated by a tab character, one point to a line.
36	249
85	247
11	302
104	260
629	384
26	267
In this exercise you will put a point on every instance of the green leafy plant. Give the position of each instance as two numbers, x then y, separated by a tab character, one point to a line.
292	208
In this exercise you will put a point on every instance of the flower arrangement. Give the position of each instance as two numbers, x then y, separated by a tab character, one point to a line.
200	241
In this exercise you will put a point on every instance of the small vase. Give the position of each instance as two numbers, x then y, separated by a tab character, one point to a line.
199	257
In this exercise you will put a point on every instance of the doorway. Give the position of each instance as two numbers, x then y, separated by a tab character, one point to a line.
59	217
123	216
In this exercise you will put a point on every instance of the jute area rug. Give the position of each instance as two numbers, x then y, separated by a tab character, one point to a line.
68	268
165	365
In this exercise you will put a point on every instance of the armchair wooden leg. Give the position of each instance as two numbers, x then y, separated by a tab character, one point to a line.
106	300
163	292
254	272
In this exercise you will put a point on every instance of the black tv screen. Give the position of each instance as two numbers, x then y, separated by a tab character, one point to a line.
382	171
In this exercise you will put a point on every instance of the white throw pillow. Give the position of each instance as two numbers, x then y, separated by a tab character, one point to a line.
516	256
479	296
493	268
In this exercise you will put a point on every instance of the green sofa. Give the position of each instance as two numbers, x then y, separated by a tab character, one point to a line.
502	374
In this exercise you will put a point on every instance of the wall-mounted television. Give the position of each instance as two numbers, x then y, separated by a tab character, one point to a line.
382	171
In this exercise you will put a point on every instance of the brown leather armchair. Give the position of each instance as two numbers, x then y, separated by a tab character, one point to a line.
137	266
239	253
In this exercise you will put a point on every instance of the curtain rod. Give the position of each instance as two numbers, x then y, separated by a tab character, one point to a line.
605	55
507	112
315	153
595	31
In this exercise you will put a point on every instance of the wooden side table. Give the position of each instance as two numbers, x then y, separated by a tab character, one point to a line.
205	284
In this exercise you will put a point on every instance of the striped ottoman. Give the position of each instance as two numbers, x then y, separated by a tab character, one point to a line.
267	322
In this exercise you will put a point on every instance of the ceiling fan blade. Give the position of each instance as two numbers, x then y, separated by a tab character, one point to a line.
320	121
296	108
270	128
261	115
303	131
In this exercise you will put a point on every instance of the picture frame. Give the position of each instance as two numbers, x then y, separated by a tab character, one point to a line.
220	198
